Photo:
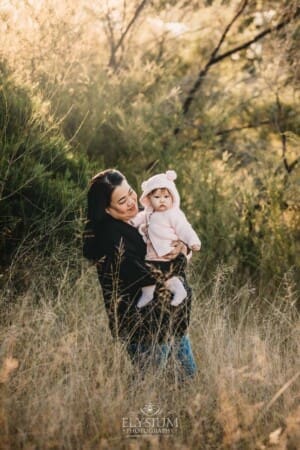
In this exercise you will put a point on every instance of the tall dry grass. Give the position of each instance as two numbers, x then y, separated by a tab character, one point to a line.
65	384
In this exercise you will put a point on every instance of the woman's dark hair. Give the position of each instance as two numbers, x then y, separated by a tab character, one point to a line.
99	195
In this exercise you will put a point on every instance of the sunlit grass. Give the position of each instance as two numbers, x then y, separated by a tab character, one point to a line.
64	383
68	385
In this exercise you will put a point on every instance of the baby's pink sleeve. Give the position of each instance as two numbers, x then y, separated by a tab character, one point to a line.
184	229
139	219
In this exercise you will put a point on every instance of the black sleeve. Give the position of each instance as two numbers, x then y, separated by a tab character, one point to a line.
132	269
128	262
135	272
138	273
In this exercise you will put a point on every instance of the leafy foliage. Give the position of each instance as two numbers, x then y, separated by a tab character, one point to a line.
116	77
42	182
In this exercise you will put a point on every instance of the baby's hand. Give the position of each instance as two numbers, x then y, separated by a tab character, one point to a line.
178	247
195	247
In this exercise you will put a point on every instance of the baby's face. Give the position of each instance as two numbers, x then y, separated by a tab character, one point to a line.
161	200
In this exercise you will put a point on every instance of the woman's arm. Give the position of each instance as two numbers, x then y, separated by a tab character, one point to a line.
132	270
125	249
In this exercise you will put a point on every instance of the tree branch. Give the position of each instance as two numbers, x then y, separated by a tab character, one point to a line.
281	127
112	61
244	127
214	59
203	72
293	164
256	38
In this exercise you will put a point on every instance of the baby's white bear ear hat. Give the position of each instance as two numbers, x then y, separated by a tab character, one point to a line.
160	181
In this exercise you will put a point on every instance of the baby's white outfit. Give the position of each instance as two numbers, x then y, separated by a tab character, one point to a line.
160	229
164	227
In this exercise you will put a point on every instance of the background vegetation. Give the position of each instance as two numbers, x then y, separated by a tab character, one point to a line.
210	89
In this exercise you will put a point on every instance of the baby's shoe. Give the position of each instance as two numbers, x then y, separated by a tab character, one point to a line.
176	287
147	296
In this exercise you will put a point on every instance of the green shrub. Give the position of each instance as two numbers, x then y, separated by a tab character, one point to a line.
42	181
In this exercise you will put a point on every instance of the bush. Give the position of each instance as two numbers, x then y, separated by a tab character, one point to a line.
42	182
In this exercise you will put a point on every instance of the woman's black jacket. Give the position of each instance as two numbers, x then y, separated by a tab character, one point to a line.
119	252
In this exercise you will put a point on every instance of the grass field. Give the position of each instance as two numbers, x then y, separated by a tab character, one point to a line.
66	385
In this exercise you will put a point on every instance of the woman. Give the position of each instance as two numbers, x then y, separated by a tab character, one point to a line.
117	248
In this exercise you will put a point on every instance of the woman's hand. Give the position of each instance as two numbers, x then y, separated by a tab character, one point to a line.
178	247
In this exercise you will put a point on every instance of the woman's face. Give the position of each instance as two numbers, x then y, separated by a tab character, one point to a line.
123	205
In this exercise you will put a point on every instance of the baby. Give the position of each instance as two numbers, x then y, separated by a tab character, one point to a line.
161	223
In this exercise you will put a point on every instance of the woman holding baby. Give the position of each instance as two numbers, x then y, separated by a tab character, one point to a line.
141	273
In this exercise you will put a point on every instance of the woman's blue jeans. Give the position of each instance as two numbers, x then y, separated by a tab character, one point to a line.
184	356
157	356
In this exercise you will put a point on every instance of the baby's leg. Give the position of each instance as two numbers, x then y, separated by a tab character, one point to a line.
147	295
176	287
